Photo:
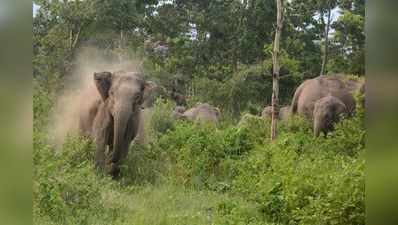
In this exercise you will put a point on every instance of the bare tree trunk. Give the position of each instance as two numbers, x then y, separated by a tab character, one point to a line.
326	50
76	38
276	68
70	39
121	43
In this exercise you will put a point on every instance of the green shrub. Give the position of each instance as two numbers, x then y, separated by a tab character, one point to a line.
234	211
299	179
295	124
205	156
43	102
66	188
161	119
144	165
195	149
257	128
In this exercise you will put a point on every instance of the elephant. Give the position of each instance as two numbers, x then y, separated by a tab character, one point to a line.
284	112
201	112
142	132
178	112
152	94
110	113
267	112
327	111
312	90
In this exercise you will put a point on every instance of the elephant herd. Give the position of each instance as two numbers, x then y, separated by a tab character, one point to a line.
111	110
323	100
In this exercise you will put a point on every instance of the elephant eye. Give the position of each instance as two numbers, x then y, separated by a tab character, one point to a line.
137	97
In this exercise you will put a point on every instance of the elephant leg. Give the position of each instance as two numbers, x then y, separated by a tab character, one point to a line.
111	168
109	152
100	154
102	143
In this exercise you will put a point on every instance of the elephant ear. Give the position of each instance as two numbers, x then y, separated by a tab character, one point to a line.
103	82
341	108
147	89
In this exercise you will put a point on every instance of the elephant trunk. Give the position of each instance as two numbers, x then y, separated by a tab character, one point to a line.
317	127
121	134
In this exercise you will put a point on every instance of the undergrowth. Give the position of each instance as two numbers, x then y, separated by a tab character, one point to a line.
191	173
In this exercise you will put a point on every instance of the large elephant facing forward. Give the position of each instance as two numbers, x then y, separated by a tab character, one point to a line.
310	91
110	115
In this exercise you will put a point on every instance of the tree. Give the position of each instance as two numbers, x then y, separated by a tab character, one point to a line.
58	29
120	19
348	44
276	68
326	36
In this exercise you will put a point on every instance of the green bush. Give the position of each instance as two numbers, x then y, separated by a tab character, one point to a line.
161	119
234	211
299	179
66	188
144	165
43	100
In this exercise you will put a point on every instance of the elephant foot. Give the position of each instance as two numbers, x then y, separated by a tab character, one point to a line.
99	164
113	170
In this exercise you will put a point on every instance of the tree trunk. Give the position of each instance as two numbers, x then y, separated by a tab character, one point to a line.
121	43
276	68
70	39
326	48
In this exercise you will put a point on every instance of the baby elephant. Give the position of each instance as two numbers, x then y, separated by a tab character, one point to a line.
327	111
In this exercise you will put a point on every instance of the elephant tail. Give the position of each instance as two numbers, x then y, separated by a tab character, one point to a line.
296	96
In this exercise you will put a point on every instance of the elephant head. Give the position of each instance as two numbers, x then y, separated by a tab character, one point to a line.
284	113
178	112
327	111
267	112
117	120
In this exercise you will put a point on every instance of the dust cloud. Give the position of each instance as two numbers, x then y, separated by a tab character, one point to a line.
65	116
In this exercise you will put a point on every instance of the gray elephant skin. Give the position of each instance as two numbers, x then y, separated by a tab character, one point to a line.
311	91
284	112
327	111
110	113
201	112
155	92
267	112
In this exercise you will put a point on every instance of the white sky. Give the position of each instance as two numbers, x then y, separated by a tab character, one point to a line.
35	8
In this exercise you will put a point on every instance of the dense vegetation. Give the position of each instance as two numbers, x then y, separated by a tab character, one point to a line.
197	174
210	51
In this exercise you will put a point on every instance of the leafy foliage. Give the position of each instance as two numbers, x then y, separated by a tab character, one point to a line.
216	51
